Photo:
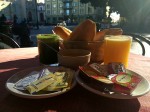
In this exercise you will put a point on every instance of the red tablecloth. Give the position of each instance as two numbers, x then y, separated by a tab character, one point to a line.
76	100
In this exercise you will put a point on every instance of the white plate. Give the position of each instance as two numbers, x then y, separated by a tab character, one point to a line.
142	88
12	80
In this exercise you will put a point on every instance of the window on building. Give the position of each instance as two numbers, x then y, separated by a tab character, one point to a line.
81	11
89	10
61	12
54	5
41	8
74	11
54	12
60	5
48	6
67	5
67	12
75	4
48	12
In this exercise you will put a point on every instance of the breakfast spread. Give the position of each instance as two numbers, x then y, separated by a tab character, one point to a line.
46	80
86	36
112	77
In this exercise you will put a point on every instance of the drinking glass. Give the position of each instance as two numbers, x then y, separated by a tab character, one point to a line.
117	48
48	45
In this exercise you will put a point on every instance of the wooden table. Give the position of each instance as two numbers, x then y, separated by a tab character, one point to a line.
76	100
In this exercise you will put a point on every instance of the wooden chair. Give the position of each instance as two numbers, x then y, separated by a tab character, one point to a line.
7	42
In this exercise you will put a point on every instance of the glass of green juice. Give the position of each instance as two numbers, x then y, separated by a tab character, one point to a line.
48	45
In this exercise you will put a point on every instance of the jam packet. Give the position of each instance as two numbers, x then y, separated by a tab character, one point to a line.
115	68
99	76
125	82
100	69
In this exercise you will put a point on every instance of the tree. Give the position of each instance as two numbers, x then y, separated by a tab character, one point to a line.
135	11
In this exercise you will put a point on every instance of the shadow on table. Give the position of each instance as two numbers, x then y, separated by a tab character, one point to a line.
20	64
11	67
76	100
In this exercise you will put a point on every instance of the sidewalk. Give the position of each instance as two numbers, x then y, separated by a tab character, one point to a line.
41	30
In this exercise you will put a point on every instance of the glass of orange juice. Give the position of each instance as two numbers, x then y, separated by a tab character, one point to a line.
117	48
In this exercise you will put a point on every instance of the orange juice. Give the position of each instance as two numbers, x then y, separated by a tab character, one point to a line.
117	49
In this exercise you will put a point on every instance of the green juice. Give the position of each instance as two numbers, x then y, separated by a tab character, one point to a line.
46	44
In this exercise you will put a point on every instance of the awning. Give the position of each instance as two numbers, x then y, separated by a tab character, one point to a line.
3	4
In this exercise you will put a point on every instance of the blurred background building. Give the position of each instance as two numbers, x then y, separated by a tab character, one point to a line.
49	12
72	11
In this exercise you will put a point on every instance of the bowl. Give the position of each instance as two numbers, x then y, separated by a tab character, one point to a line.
73	58
95	47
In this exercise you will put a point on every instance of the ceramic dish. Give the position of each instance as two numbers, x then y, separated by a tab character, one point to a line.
12	80
73	58
142	88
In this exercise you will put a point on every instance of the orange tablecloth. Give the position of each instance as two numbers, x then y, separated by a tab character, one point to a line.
76	100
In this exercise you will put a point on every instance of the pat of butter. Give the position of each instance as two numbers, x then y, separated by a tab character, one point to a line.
60	82
41	83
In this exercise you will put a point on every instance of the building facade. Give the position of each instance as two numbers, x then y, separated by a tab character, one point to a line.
41	13
70	10
51	12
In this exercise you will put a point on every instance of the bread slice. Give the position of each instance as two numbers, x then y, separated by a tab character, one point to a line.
100	35
63	32
85	31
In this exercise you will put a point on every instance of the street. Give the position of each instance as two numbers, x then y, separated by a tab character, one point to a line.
41	30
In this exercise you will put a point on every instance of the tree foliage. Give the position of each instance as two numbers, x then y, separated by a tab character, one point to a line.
129	8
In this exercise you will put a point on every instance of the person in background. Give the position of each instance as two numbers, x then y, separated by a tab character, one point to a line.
15	19
3	19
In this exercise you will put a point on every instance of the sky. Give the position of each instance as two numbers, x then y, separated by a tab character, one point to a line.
115	17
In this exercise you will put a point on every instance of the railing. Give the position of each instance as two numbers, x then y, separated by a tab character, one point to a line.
140	39
67	0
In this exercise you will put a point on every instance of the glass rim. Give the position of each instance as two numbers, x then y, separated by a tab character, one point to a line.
117	35
128	37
